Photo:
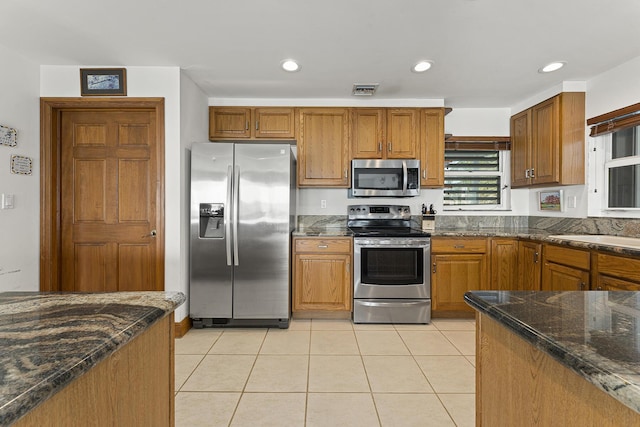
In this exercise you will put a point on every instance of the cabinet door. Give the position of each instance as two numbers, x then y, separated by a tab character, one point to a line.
452	276
322	282
606	283
367	133
403	130
504	265
432	147
545	140
323	147
229	122
529	254
274	123
556	277
520	148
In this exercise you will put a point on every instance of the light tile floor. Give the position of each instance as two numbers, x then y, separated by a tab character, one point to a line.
328	373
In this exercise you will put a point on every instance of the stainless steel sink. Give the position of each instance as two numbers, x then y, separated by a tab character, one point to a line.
602	239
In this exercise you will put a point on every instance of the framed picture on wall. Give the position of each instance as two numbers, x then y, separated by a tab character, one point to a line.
103	81
551	200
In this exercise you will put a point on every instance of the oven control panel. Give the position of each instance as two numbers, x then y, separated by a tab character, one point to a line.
379	212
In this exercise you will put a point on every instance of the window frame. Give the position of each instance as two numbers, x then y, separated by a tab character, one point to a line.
503	172
600	150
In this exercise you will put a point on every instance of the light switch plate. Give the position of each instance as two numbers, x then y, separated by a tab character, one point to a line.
7	201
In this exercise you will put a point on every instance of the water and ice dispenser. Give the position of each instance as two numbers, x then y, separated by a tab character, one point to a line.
212	220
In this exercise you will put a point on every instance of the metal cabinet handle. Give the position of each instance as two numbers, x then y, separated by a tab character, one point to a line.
257	124
458	246
533	173
246	125
323	246
526	174
424	173
599	288
346	174
380	146
389	147
582	286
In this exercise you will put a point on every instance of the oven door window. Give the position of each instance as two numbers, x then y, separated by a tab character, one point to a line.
392	266
378	179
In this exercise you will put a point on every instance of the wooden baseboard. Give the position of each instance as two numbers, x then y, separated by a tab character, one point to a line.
183	327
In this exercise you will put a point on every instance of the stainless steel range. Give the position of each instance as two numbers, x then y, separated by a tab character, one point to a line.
391	276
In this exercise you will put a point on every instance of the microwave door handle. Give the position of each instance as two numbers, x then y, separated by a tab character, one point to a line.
404	178
227	216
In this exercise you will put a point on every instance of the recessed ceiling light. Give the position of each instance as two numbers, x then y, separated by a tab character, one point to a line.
421	66
290	65
553	66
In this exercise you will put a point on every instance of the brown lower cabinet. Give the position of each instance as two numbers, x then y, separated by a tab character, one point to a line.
617	273
458	265
322	277
565	269
461	264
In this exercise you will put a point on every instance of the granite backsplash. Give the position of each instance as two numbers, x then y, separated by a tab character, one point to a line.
609	226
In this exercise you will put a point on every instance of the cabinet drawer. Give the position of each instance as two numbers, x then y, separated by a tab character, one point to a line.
323	245
617	266
567	256
458	245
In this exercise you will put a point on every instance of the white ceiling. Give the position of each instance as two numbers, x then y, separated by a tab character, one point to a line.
486	53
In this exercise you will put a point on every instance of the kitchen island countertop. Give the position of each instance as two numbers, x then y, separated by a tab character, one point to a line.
595	333
48	340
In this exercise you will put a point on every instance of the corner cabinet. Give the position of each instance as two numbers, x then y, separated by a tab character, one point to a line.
458	265
322	277
323	147
548	142
249	123
432	147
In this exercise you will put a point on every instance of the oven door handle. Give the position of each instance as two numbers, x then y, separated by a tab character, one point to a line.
405	177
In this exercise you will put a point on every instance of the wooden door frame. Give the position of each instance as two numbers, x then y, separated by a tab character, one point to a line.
50	167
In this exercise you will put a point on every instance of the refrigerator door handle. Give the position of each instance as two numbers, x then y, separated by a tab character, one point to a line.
236	214
227	218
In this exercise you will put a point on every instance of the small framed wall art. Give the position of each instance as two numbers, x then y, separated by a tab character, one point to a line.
8	136
103	81
550	200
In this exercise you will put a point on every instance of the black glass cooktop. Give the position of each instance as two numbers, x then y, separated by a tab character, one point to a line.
388	232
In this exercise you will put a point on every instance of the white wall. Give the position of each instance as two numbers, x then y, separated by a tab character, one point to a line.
194	125
612	90
20	227
64	81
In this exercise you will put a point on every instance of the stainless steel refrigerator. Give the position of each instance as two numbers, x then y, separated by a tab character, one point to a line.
242	216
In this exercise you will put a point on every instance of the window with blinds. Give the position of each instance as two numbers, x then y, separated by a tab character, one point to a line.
474	179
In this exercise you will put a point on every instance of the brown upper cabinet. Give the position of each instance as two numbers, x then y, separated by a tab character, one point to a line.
248	122
323	147
385	133
548	142
432	147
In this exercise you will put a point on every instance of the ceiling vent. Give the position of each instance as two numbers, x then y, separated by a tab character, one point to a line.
364	90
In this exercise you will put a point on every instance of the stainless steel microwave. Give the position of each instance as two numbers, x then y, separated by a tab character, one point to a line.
385	178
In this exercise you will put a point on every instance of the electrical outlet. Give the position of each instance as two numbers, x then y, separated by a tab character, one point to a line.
571	202
323	204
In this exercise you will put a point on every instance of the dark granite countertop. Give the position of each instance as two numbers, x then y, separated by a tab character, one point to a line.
594	333
322	231
533	234
49	340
